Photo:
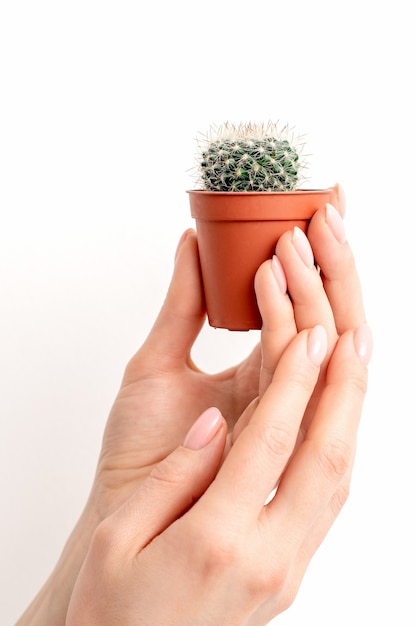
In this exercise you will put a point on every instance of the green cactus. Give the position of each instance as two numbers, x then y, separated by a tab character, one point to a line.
250	157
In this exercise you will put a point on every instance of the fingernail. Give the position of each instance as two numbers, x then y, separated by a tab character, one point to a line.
279	274
302	245
364	343
203	430
317	345
184	236
335	223
341	199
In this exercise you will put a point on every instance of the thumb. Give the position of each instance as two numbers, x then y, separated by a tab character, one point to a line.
172	486
183	312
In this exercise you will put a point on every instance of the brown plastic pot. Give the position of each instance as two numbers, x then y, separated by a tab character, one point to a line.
236	233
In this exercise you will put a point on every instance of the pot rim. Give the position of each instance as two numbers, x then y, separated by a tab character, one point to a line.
259	193
226	206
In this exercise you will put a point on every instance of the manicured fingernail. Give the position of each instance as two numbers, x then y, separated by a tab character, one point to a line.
203	430
335	223
184	236
364	343
278	272
317	345
341	198
302	245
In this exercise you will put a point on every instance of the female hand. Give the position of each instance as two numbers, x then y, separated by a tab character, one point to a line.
191	547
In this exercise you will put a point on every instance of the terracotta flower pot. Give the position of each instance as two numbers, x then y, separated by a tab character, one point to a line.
236	233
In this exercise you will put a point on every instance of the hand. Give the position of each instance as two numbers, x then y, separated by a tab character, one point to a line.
188	550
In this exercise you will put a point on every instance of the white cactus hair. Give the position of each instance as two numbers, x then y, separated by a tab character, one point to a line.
250	156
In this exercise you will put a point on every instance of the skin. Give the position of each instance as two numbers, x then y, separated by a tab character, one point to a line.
155	503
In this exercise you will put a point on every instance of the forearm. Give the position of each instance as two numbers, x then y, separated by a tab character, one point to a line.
51	603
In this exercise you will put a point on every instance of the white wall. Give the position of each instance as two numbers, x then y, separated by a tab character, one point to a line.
100	105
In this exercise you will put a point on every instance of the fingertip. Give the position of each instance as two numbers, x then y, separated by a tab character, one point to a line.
335	223
271	295
364	343
204	429
283	242
186	235
317	345
183	312
341	199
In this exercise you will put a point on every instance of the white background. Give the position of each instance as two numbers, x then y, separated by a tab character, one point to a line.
100	105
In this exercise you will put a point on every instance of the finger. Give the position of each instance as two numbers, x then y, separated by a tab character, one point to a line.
326	454
310	302
340	199
244	420
183	312
262	450
171	488
278	324
337	266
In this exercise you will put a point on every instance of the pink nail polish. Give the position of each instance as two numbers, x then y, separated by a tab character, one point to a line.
279	274
317	345
335	223
364	343
203	430
302	245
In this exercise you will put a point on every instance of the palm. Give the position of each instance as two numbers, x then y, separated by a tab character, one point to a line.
152	414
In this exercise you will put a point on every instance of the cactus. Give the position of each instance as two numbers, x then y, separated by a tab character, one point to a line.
250	157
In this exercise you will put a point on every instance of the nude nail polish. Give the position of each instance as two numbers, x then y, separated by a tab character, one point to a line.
364	343
335	223
203	430
341	199
317	345
302	245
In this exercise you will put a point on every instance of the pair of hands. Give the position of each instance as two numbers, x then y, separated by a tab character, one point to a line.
193	541
184	535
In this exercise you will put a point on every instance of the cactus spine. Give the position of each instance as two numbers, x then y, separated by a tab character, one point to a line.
250	157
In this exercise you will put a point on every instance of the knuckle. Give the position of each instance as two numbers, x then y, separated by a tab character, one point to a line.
278	439
132	368
302	379
224	546
351	380
358	382
167	473
103	543
288	596
334	458
267	582
219	553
